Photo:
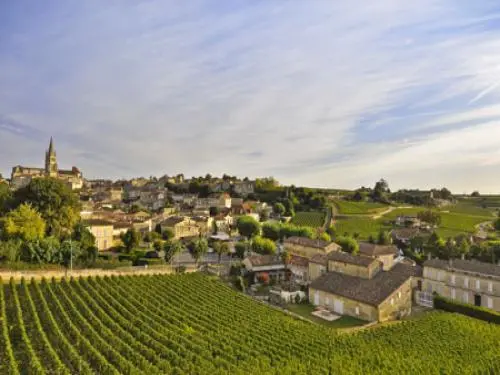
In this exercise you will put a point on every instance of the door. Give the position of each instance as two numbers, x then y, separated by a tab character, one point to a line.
316	298
477	300
338	306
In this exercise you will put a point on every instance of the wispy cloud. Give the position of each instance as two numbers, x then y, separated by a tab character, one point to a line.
318	92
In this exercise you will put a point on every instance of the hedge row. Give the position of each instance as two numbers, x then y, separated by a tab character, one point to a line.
466	309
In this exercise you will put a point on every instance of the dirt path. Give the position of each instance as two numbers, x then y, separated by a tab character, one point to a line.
389	210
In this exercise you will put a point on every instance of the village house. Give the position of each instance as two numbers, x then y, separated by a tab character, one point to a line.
466	281
183	227
387	254
357	285
307	247
407	221
271	265
102	231
404	235
299	268
244	188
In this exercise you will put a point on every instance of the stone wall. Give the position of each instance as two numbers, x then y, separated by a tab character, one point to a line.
398	304
17	275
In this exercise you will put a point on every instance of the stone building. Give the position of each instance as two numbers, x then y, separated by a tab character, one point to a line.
22	176
307	247
466	281
358	285
102	231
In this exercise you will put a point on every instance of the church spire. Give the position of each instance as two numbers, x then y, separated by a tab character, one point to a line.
51	146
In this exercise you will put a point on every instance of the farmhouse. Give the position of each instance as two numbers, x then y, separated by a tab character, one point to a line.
358	285
465	281
102	231
182	226
257	265
385	253
307	247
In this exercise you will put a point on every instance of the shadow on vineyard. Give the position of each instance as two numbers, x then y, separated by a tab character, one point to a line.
194	324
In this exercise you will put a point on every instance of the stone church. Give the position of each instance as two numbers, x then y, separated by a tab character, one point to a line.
22	176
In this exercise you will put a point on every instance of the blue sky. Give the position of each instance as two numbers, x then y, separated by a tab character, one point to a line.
317	93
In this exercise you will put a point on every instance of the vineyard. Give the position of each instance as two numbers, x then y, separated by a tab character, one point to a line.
312	219
358	208
194	324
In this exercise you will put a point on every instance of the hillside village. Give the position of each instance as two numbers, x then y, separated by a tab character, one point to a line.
280	244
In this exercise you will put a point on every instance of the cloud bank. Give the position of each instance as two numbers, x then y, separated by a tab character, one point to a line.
314	93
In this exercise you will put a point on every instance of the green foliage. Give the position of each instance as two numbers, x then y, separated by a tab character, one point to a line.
220	248
24	223
131	239
312	219
430	217
345	207
279	209
384	238
271	231
111	325
5	198
477	312
55	202
167	234
158	245
325	237
241	248
248	226
348	244
198	248
263	245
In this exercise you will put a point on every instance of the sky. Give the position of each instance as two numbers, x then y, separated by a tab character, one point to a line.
313	92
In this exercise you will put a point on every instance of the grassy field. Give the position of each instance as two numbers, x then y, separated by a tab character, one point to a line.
312	219
195	324
471	207
364	226
453	224
358	208
343	322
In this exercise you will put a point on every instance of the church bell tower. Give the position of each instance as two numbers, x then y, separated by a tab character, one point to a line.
51	169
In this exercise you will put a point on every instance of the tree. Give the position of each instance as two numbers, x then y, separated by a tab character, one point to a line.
348	244
357	196
68	252
271	231
384	238
241	248
263	245
215	228
279	209
171	248
331	231
220	248
475	194
214	211
380	191
24	223
325	237
167	234
55	202
158	228
5	198
248	226
197	248
158	245
131	239
86	240
430	217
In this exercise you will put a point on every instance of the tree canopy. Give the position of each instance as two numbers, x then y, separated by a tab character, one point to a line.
263	245
248	226
25	223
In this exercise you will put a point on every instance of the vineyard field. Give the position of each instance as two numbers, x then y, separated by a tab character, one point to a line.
359	208
195	324
312	219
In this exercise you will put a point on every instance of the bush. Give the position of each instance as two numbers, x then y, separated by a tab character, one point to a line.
148	262
152	254
180	269
104	256
263	245
466	309
125	257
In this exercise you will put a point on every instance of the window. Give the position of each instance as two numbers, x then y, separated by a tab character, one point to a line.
357	310
478	284
466	297
490	286
453	279
453	294
466	282
489	302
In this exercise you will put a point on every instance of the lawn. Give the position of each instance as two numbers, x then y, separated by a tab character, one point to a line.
312	219
358	208
453	224
345	321
364	226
